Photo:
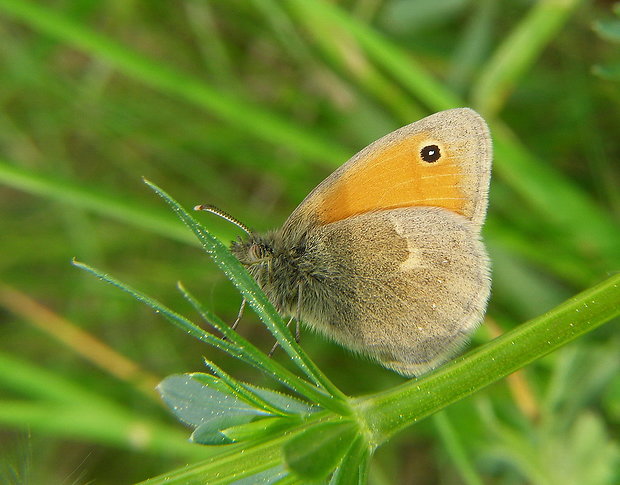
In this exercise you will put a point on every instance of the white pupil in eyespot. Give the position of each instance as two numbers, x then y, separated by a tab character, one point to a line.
430	153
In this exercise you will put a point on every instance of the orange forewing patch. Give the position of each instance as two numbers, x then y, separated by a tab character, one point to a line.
396	176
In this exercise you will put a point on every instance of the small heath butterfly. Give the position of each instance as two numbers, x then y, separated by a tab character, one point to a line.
385	255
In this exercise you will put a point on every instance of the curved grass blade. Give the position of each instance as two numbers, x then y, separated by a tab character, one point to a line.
176	319
389	57
518	51
241	114
108	204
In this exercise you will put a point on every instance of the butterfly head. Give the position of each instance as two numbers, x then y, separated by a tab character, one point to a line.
255	250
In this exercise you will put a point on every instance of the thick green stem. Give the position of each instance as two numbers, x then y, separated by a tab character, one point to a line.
395	409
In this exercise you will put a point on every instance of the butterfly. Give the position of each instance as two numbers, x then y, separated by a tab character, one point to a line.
385	255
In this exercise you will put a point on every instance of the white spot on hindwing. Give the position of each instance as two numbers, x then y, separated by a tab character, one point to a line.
414	256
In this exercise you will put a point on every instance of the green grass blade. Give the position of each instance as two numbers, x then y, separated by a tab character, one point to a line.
239	113
472	46
389	57
456	451
62	407
397	408
110	205
518	52
33	381
115	427
345	54
578	219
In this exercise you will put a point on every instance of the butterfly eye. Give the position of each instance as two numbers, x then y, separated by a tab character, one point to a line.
258	252
255	252
430	153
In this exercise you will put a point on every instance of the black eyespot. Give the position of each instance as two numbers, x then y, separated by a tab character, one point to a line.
430	153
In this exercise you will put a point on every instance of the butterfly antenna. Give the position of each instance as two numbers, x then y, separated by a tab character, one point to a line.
223	215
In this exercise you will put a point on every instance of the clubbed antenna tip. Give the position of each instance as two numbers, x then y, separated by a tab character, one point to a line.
223	215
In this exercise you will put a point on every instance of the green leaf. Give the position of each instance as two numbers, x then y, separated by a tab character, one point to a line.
196	404
267	477
113	205
354	466
282	401
316	452
266	399
210	433
258	429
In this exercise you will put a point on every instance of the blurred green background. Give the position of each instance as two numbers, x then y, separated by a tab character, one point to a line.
248	104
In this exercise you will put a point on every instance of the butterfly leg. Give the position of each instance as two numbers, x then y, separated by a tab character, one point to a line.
275	346
239	315
238	319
